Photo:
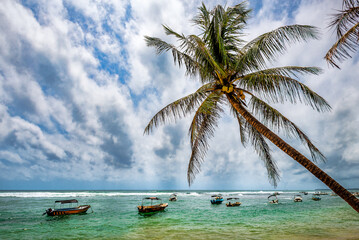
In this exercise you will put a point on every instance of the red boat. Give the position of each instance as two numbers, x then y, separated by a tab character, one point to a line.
67	210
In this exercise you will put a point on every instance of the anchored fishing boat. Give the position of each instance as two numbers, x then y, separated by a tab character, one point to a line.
66	207
273	199
321	193
217	199
298	198
316	197
173	197
233	204
144	209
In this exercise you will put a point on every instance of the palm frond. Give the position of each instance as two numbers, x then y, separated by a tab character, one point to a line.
203	56
253	55
202	19
347	30
263	150
179	57
239	14
179	108
213	37
241	121
201	130
222	32
344	46
276	85
345	19
349	3
272	118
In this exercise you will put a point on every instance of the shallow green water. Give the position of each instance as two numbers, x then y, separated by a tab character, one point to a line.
191	217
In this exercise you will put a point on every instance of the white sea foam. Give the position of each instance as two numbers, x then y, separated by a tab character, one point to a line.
76	194
64	194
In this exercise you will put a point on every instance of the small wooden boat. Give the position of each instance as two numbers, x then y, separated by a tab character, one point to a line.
321	193
173	197
273	199
233	204
217	199
316	197
152	208
305	193
298	198
70	209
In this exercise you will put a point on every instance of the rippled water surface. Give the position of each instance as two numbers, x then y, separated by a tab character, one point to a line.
115	216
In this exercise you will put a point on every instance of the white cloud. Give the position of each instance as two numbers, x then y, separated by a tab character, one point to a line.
64	109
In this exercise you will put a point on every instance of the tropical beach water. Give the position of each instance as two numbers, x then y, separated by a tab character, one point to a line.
115	216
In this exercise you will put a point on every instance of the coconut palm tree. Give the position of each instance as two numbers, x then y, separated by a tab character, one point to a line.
234	73
346	23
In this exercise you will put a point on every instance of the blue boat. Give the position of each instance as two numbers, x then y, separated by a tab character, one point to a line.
316	197
217	199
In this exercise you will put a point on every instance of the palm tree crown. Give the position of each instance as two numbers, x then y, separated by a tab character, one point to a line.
346	23
235	73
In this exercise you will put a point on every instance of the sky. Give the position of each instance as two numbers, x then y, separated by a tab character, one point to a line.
78	85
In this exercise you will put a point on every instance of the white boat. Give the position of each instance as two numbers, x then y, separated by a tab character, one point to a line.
173	197
298	198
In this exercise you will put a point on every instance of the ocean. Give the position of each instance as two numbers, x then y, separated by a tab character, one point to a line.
192	216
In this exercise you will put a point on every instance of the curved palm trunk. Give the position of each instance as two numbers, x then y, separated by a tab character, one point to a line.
305	162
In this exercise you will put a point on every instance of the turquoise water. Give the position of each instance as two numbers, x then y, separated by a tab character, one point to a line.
115	216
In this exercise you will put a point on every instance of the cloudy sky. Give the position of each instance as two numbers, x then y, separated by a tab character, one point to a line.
78	86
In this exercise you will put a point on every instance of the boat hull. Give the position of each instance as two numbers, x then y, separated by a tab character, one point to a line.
216	201
69	211
236	204
152	208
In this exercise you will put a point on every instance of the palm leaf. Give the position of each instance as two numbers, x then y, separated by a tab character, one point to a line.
202	19
347	29
179	57
254	54
203	55
241	121
263	150
274	87
345	19
275	120
201	130
345	45
179	108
